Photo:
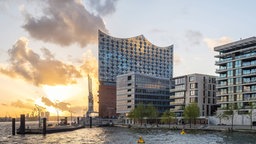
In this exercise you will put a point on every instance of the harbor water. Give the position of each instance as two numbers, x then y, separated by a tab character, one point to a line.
120	135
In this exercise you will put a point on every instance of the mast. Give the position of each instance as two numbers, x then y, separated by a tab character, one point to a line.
90	97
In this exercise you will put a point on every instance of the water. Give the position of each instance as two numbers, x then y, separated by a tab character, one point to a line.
118	135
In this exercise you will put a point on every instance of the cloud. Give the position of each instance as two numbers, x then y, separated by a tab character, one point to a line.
194	37
211	43
47	54
156	30
21	104
64	106
47	101
65	22
3	104
30	66
177	59
90	64
103	7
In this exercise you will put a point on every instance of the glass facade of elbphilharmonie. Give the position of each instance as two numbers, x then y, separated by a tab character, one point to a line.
117	56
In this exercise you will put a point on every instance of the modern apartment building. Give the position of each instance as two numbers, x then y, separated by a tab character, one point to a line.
236	83
134	88
119	56
194	88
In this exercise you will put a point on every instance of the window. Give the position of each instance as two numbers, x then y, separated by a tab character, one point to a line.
194	93
192	78
193	100
229	65
129	106
230	73
238	63
193	85
128	101
129	77
238	72
129	95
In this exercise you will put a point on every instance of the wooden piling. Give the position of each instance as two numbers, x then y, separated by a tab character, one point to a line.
22	124
44	126
78	120
13	126
90	122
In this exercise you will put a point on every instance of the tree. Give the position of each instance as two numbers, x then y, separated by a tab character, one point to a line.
230	112
141	111
151	111
252	106
167	117
221	116
191	112
131	114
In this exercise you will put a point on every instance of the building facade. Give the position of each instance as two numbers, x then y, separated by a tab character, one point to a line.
135	88
194	88
236	83
119	56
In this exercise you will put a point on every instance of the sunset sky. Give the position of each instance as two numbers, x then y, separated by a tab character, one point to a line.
49	47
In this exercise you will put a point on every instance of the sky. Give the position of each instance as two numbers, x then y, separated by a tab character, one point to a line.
48	48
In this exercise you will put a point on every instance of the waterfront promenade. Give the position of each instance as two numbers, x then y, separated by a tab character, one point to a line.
224	128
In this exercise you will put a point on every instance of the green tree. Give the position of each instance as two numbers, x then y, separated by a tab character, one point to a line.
167	117
131	114
139	112
191	111
151	112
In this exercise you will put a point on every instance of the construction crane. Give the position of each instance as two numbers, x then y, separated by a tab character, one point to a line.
39	110
90	97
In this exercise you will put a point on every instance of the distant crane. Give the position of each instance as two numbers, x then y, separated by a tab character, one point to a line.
90	97
39	110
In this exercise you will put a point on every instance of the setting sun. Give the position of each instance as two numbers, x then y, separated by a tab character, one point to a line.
61	93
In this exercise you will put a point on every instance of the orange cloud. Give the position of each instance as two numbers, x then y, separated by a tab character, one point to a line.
177	59
211	43
28	65
21	104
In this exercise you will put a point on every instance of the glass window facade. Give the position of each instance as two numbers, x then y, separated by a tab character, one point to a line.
238	87
120	56
144	89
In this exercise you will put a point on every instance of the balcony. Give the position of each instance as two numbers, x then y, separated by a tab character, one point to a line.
176	90
176	97
222	86
176	104
221	70
246	56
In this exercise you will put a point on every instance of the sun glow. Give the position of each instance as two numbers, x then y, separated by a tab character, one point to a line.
61	93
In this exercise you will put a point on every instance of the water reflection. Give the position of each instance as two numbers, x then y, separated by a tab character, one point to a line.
117	135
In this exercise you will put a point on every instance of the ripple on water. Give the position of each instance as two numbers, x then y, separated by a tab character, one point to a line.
116	135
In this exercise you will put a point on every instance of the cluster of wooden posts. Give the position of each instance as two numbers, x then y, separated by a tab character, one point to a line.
22	128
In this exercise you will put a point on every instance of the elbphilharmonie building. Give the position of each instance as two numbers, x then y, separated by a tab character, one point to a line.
117	56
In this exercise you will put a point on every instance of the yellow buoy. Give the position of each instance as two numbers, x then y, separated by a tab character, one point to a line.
182	132
140	140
